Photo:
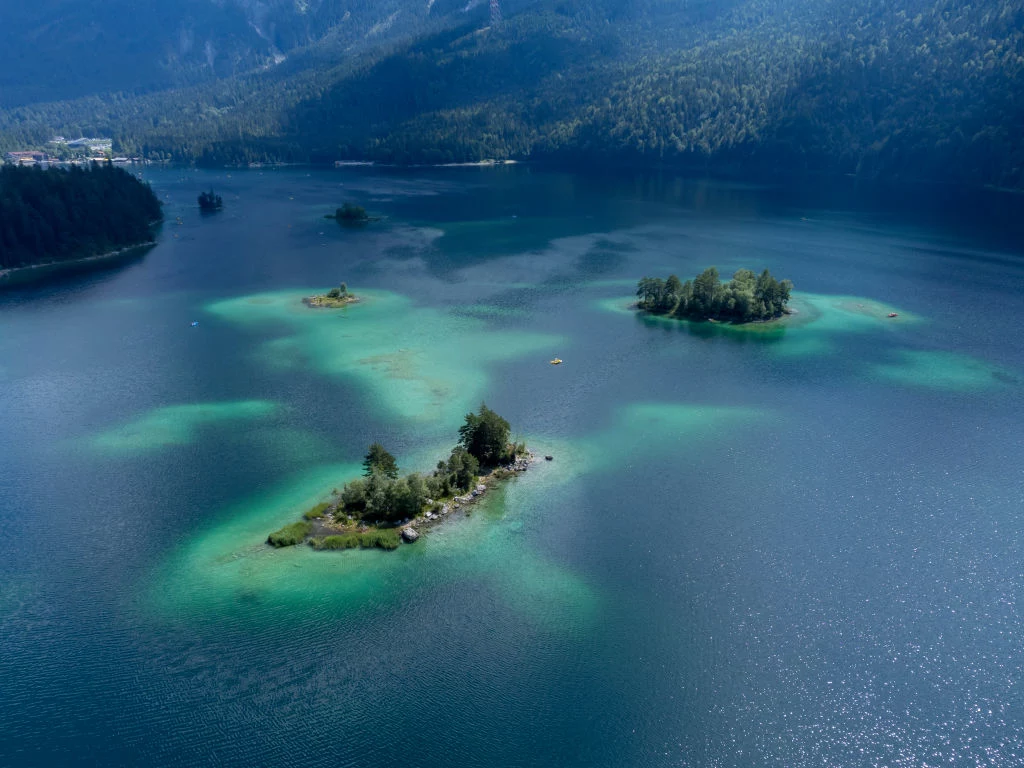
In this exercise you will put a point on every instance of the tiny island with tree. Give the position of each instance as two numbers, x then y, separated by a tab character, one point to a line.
744	299
350	213
382	508
336	297
209	202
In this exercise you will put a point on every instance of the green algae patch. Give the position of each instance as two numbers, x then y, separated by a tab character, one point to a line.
489	311
947	371
412	363
176	425
640	428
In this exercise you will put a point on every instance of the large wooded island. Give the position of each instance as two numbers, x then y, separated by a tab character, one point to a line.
55	219
744	299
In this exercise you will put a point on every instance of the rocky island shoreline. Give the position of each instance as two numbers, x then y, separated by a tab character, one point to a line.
332	523
334	298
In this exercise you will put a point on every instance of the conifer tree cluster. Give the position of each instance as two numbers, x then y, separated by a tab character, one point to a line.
383	495
56	215
745	298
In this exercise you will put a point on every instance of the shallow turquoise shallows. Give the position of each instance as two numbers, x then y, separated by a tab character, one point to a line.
794	544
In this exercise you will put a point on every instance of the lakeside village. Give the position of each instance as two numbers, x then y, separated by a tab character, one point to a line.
61	152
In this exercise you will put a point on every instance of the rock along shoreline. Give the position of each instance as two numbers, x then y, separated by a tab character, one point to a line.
412	530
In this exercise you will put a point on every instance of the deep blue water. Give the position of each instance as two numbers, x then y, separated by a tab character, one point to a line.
831	578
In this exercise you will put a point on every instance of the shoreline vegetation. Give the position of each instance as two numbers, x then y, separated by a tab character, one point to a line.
382	509
352	214
334	298
32	273
747	298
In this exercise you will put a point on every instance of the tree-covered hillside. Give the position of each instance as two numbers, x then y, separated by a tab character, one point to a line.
923	89
65	49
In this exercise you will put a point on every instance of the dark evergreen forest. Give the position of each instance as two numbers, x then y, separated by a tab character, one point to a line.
923	90
56	215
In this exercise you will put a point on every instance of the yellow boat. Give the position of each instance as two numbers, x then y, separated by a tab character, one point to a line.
557	361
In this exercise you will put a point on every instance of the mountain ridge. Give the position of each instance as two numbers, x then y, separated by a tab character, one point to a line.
931	91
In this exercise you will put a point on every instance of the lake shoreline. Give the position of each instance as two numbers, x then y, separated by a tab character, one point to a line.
327	302
319	529
635	306
36	273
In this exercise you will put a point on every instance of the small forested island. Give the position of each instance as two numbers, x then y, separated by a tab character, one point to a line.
744	299
210	202
54	217
351	214
382	508
336	297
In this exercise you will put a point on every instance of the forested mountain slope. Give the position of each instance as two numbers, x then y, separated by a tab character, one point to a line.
923	89
61	49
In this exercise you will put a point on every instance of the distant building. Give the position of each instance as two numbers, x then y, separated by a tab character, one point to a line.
95	145
31	157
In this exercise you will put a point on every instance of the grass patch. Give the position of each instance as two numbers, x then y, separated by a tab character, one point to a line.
348	541
387	538
318	511
290	535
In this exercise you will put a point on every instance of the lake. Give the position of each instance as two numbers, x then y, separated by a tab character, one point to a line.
755	546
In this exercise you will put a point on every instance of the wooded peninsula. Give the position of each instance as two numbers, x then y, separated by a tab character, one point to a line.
744	299
55	215
382	508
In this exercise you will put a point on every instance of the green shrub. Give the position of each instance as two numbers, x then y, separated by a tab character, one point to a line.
290	535
349	212
318	511
385	538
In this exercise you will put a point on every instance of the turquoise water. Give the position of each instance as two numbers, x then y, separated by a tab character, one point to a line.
788	544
